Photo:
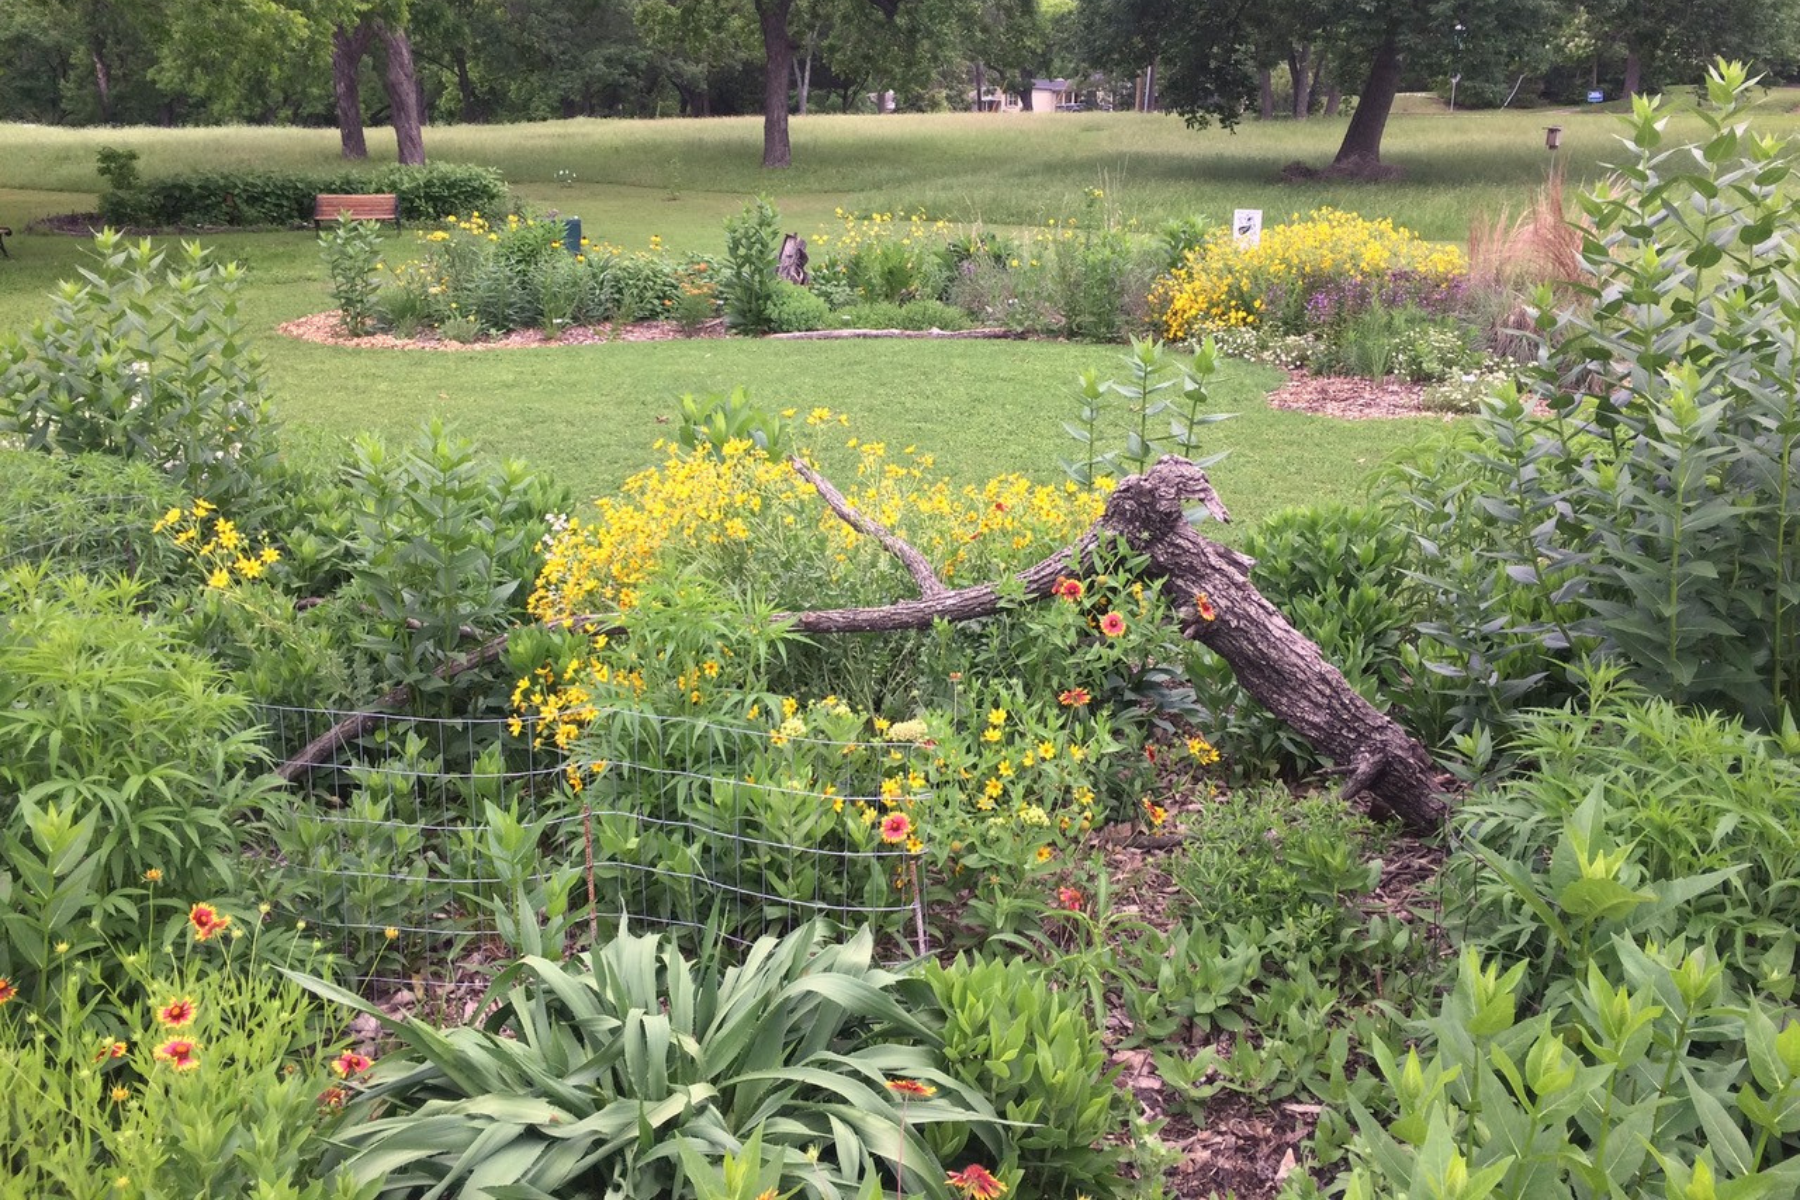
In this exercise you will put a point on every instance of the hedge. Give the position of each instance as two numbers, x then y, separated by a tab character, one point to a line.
237	198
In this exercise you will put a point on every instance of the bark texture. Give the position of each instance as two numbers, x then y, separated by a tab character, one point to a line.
778	61
1634	71
1362	140
1207	583
402	79
1276	665
347	49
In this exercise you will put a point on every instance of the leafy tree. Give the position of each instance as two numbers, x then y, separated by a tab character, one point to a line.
1209	52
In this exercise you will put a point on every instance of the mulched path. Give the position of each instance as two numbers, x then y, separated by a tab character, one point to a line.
324	329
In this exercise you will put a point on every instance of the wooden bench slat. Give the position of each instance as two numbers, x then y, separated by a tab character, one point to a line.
372	207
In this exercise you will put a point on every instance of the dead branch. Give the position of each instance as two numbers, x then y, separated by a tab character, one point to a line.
1206	583
914	562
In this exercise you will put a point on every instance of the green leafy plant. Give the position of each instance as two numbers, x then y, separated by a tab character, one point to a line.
147	360
747	284
794	309
716	420
616	1069
1009	1037
352	253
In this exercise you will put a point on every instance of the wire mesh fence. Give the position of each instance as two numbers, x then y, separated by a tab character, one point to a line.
422	844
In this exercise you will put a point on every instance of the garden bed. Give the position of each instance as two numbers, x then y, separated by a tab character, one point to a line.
327	329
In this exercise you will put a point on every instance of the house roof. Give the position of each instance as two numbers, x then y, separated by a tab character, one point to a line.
1050	85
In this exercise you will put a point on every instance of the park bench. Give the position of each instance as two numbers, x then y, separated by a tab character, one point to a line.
5	232
377	207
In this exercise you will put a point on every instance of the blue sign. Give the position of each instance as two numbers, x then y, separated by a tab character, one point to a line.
1596	97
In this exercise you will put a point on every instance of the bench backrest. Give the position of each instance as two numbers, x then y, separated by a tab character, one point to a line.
358	208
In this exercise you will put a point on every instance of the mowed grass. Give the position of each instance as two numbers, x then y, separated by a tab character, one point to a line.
591	413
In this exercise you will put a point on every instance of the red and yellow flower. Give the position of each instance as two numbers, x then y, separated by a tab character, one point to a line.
177	1013
1068	589
976	1182
1204	607
912	1089
1074	698
207	922
350	1063
8	989
183	1054
895	828
1112	624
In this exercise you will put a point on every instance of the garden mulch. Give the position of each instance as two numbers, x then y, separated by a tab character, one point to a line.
325	329
1236	1147
1351	397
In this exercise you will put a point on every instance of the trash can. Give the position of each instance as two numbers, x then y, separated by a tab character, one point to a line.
572	234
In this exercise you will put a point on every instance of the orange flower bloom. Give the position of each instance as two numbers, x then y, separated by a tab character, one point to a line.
207	921
112	1050
180	1053
1068	589
1074	698
176	1013
975	1182
350	1063
1203	606
333	1097
895	827
1156	812
911	1088
7	990
1070	898
1112	624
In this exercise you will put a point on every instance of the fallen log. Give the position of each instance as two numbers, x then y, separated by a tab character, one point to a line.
1206	583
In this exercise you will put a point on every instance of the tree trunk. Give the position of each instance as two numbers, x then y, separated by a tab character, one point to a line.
403	94
980	104
778	59
1634	71
1300	65
803	79
347	48
1265	87
103	86
1362	140
470	109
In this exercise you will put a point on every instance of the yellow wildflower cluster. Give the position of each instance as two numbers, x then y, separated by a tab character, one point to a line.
1223	285
223	552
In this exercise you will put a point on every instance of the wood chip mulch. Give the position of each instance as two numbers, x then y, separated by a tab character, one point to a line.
1351	397
325	329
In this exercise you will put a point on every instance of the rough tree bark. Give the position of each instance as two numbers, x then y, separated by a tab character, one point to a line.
1362	140
347	49
778	61
403	94
1207	583
1265	92
1634	71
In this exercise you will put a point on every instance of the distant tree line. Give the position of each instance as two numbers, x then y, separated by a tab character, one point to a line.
410	63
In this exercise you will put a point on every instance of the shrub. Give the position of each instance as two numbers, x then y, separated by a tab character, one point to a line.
793	309
1640	491
919	315
752	249
147	362
246	197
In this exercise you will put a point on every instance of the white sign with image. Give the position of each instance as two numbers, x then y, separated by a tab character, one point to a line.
1246	226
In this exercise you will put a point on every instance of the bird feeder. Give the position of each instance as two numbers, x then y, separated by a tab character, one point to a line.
1552	136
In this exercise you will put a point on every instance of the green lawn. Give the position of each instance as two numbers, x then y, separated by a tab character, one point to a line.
590	413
